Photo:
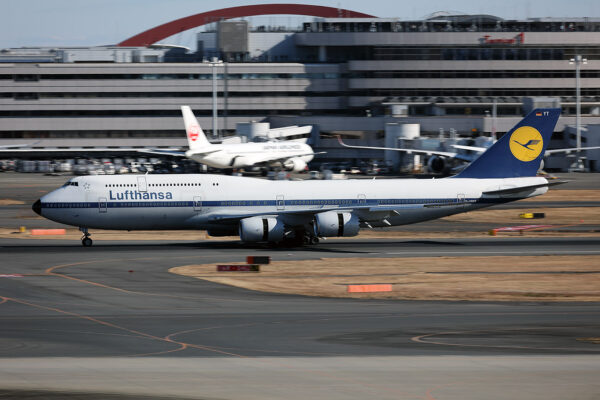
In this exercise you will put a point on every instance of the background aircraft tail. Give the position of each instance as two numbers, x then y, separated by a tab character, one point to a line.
520	151
195	135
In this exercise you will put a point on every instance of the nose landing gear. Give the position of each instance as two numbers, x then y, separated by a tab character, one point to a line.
85	240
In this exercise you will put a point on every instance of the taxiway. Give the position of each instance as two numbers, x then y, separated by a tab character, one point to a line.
111	319
110	322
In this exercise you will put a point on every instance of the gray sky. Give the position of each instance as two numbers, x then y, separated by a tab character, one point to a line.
98	22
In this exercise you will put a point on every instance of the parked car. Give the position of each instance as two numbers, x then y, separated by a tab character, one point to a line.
63	167
121	169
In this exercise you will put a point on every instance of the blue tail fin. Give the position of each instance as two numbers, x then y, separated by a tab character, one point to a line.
520	151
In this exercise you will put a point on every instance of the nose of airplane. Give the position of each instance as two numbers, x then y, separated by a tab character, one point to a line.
37	207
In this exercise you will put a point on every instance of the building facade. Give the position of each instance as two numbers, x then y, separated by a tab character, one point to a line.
343	75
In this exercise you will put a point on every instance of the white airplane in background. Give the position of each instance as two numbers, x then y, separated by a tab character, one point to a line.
297	212
438	160
548	152
477	151
291	155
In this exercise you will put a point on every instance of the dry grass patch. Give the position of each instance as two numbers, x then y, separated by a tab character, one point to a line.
594	340
568	195
10	202
529	278
561	216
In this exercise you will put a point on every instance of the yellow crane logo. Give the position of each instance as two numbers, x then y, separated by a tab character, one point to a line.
526	143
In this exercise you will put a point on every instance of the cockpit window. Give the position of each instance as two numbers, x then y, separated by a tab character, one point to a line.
70	183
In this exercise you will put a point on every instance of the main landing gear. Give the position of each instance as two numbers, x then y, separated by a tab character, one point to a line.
297	238
312	240
309	239
85	240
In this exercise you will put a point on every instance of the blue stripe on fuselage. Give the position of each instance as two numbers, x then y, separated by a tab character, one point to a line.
267	203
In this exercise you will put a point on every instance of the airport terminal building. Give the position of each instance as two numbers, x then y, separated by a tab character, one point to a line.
346	74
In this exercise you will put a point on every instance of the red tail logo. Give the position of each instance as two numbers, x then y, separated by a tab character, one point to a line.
193	132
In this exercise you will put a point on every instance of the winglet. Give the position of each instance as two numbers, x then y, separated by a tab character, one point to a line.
520	151
195	135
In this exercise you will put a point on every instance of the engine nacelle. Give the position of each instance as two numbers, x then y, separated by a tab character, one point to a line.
240	162
437	164
295	165
333	223
261	229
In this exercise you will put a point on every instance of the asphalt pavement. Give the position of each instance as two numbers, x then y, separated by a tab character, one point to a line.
110	322
111	319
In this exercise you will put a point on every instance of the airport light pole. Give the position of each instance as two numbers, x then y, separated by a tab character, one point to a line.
214	63
494	116
578	61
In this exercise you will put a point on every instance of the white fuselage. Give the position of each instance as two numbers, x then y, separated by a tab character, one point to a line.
137	202
242	155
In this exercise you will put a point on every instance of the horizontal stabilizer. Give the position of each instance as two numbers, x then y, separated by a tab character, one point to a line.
522	188
448	204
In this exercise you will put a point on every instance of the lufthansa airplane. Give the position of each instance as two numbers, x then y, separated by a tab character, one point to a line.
291	155
297	212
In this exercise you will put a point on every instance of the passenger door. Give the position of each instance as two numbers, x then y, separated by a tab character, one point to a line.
102	205
280	202
197	203
460	199
362	200
142	185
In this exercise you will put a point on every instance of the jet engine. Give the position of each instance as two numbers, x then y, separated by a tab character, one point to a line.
437	164
240	162
295	165
261	229
333	223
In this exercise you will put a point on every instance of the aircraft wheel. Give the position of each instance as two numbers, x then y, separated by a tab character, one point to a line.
314	240
86	242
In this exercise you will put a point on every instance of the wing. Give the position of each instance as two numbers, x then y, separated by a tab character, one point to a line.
235	217
73	150
267	158
569	150
517	189
371	212
165	152
408	151
470	148
179	153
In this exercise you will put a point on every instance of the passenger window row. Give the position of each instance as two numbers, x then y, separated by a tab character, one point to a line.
121	185
174	184
151	184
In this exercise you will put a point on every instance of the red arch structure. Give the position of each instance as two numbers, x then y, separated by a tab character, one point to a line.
183	24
